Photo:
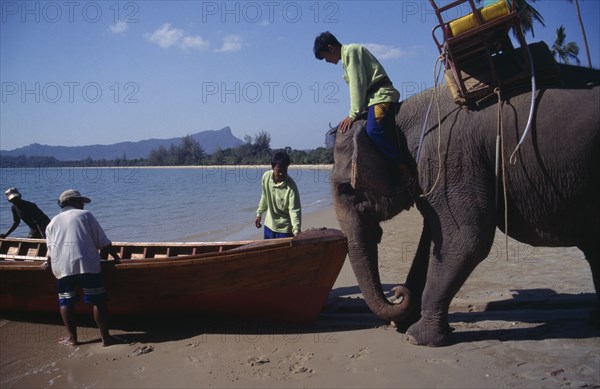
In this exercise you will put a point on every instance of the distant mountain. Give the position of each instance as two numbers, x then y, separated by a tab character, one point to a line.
209	140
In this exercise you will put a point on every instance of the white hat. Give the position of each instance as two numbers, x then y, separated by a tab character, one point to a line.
72	194
11	193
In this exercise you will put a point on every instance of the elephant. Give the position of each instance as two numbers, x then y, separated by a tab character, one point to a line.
549	195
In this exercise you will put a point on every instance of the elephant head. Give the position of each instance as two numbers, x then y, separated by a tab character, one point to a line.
366	191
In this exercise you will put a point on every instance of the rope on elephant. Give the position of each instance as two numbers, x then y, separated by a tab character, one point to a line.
435	97
422	131
500	162
513	159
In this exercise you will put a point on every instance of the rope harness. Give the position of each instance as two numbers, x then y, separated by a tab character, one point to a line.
434	97
500	163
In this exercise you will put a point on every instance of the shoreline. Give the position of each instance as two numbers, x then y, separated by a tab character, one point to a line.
318	218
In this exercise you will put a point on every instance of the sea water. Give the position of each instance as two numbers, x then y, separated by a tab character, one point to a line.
140	204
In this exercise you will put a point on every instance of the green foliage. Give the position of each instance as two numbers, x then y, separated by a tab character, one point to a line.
564	50
189	153
256	151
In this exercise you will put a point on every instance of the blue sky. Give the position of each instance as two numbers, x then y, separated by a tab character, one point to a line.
95	72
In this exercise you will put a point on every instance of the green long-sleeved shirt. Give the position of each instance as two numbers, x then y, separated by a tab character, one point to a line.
361	70
282	203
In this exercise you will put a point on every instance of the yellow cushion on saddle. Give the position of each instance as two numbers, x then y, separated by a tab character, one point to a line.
469	21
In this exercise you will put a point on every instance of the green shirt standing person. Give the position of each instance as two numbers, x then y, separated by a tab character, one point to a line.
280	199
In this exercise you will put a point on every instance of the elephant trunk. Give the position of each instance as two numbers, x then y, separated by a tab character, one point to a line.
365	265
363	255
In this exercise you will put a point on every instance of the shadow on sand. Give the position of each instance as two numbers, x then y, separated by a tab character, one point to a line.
531	314
546	314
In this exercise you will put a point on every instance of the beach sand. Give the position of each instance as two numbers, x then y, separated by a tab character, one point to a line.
520	321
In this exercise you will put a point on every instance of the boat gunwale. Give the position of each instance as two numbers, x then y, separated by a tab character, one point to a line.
251	246
25	259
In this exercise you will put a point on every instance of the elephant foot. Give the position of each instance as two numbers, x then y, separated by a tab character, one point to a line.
433	335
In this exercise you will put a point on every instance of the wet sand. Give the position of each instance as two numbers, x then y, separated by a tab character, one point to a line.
520	321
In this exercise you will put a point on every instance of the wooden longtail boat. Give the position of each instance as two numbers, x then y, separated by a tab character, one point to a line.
283	279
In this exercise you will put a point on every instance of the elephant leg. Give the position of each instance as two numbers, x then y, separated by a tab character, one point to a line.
417	275
592	255
454	257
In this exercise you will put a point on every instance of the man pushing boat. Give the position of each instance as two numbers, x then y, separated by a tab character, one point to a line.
74	237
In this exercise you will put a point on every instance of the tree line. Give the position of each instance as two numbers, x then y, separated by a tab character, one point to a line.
255	151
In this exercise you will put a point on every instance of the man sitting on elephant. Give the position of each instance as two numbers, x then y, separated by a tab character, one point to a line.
371	92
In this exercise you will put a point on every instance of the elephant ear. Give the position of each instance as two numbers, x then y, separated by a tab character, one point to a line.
342	155
370	171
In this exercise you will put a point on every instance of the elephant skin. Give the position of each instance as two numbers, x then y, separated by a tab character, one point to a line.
552	191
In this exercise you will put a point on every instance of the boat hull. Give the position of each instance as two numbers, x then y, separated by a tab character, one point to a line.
287	281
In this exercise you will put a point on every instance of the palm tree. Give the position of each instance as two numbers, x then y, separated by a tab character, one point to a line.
585	43
562	50
528	15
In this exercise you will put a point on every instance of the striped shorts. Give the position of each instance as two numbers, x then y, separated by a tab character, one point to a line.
92	285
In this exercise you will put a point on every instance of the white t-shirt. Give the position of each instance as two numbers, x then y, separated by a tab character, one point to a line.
74	237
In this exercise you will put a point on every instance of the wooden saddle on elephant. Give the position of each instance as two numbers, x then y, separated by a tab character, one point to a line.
476	49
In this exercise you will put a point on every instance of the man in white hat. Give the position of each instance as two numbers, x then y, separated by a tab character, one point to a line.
28	212
74	237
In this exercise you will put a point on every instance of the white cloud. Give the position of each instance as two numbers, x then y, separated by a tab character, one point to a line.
384	51
119	27
194	42
230	43
165	36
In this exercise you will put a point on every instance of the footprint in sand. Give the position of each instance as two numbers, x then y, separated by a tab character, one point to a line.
298	361
142	350
260	360
361	354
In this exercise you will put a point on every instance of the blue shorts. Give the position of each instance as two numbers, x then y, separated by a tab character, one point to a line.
92	285
379	118
270	234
